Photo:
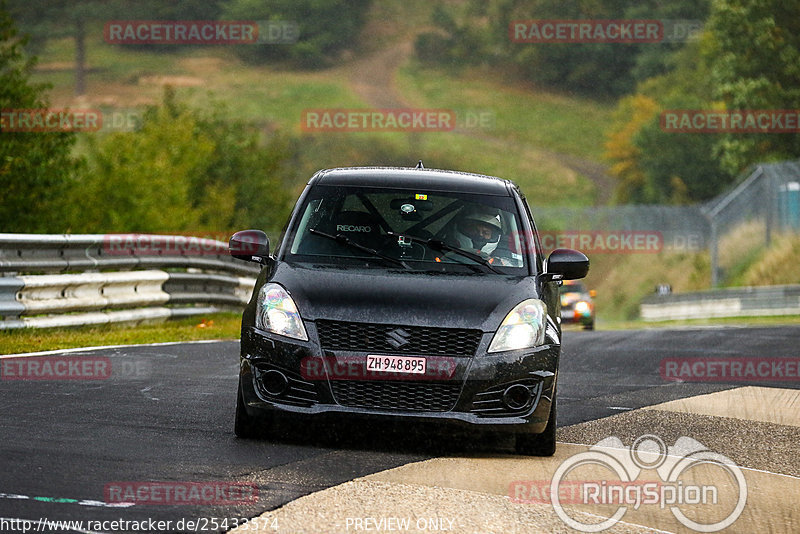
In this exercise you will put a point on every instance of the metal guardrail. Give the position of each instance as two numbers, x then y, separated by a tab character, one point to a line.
731	302
67	280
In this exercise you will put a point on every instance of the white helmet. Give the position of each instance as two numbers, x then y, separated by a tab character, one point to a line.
478	230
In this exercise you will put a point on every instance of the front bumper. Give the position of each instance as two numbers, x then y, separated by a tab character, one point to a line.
299	378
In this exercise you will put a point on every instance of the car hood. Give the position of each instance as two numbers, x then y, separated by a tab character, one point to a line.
405	298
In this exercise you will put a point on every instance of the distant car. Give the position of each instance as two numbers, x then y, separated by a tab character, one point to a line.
577	304
405	294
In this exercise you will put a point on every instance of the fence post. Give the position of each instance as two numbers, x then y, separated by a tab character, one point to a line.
714	254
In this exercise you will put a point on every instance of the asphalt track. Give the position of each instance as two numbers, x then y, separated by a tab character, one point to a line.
165	414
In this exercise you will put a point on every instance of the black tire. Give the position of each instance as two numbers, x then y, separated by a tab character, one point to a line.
543	444
589	326
245	426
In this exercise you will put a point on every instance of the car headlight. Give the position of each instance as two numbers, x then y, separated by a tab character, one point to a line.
276	312
522	328
582	307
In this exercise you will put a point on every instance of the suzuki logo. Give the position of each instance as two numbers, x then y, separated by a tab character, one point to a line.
398	338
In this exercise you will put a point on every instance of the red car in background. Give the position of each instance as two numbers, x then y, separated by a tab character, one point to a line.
577	304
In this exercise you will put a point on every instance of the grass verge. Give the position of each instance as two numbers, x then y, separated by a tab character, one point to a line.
216	326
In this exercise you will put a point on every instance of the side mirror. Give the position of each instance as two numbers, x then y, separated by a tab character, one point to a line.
570	264
593	293
249	245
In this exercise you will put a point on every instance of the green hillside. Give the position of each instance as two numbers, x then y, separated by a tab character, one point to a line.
534	137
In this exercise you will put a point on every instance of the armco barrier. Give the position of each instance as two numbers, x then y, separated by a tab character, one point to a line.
732	302
68	280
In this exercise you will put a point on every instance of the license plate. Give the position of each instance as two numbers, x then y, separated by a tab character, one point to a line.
567	314
396	364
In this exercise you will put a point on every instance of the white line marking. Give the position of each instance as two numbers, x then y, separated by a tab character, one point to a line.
105	347
62	500
147	394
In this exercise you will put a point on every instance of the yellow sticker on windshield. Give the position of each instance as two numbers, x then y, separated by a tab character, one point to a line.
420	197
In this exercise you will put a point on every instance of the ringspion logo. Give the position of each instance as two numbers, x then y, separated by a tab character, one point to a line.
570	491
704	490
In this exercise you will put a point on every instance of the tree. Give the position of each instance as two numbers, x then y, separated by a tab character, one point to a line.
632	113
755	53
184	170
655	166
141	181
36	168
326	27
48	19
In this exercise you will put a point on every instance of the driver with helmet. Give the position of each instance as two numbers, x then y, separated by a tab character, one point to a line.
477	230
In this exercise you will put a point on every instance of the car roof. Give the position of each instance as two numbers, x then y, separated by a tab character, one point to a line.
412	178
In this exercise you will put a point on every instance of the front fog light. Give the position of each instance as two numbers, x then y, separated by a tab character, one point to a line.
522	328
276	312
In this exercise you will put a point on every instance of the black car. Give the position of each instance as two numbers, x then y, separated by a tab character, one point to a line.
405	293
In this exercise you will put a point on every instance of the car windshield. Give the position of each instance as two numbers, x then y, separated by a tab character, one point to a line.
418	229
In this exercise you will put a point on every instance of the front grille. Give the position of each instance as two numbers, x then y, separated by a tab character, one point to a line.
386	395
387	338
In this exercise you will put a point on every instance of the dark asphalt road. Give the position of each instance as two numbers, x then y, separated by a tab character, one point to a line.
166	414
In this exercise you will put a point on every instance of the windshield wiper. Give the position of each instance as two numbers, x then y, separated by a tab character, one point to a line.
343	239
439	245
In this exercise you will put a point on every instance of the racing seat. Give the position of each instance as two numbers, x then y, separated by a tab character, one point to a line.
359	226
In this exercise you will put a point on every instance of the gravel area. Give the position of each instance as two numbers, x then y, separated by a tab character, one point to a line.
471	494
754	444
413	508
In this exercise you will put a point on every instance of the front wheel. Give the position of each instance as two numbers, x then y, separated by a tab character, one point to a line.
543	444
244	426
